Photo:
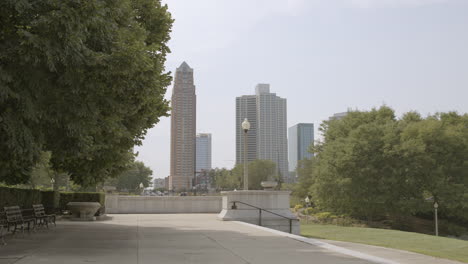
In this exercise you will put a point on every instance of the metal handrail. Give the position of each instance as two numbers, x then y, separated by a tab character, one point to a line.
234	206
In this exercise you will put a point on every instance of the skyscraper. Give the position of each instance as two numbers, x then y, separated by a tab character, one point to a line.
183	127
266	139
301	136
246	107
203	156
203	160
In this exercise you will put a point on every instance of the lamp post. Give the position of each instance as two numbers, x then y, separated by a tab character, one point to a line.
245	127
436	205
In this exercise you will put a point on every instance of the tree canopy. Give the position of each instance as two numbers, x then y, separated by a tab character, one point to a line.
83	80
130	179
259	170
372	164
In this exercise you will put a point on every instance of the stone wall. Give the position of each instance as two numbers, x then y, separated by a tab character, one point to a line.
119	204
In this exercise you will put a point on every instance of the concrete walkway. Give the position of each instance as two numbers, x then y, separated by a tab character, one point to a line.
181	238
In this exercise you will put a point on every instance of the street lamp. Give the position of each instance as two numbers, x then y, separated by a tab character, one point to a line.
245	127
436	205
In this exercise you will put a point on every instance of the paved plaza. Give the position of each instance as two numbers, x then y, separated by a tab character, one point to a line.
185	238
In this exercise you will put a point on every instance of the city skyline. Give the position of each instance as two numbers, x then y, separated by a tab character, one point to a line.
324	57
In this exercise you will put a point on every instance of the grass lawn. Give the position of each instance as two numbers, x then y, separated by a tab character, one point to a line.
448	248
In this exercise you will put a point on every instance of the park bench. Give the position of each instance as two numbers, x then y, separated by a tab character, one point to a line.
41	217
15	218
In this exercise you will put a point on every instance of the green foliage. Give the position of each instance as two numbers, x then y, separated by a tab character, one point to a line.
325	216
66	197
47	199
222	179
297	207
130	179
310	211
305	178
41	173
83	80
371	164
259	170
24	198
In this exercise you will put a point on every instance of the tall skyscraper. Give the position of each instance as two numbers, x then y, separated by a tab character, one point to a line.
266	139
183	127
301	136
203	156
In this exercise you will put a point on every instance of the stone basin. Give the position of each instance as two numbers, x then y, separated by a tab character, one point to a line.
83	211
269	185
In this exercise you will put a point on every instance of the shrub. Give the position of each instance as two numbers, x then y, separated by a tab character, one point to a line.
24	198
297	207
452	229
310	211
294	200
325	216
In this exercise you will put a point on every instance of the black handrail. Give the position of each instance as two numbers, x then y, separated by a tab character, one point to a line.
234	206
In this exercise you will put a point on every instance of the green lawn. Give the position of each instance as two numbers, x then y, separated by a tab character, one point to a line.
442	247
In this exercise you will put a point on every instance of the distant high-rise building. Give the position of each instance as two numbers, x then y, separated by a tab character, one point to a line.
183	127
338	116
267	138
301	137
203	156
159	183
246	107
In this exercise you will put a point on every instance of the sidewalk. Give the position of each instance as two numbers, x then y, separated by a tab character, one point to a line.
182	238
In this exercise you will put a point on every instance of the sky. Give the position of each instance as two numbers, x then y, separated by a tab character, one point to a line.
323	56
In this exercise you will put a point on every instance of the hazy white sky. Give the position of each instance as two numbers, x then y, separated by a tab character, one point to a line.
324	56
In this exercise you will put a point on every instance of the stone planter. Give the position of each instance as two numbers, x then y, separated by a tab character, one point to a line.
269	185
83	211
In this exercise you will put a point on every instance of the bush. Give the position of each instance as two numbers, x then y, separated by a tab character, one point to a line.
325	216
297	207
293	200
66	197
452	229
24	198
310	211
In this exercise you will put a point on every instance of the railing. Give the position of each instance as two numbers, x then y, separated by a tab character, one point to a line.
234	207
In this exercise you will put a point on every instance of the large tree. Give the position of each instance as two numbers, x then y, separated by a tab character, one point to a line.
84	80
130	179
372	164
436	151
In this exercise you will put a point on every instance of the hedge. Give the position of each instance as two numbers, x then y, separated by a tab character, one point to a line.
25	198
48	199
